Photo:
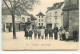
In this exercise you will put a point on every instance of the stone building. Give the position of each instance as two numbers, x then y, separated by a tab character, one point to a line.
71	15
40	22
53	15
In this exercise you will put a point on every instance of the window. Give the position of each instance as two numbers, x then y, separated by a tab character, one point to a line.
42	20
42	24
39	16
39	24
56	13
23	19
39	20
28	19
7	25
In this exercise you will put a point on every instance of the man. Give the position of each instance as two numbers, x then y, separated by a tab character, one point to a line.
55	30
75	35
30	34
39	33
35	33
46	33
26	34
50	33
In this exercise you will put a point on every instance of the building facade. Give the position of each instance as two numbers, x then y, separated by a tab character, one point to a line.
71	15
40	22
22	22
53	15
7	23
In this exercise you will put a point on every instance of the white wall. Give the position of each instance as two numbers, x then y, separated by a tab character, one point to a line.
51	19
37	21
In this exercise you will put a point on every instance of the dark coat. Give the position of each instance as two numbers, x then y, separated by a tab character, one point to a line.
30	33
50	32
46	31
26	33
35	31
74	34
39	33
55	30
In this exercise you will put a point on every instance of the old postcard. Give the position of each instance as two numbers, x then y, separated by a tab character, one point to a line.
40	25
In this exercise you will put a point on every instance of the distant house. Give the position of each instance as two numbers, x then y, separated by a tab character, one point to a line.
22	22
53	15
71	15
40	19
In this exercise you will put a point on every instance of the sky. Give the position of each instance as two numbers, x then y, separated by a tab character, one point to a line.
44	4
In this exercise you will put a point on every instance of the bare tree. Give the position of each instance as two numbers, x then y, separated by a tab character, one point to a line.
18	6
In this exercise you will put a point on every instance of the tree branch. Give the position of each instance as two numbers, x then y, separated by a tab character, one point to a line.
20	5
7	5
10	3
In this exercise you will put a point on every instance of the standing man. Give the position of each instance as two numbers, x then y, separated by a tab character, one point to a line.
50	33
35	33
26	34
75	35
55	30
46	33
30	34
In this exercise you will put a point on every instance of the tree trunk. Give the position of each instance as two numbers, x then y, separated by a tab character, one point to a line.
13	22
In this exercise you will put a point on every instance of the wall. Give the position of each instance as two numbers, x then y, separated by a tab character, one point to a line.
73	20
51	19
37	21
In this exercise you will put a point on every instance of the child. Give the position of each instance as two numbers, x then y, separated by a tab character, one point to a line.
67	35
60	34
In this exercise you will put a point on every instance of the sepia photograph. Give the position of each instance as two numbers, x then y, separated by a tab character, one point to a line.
30	25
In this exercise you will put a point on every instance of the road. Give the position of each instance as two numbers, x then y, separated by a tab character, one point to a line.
21	43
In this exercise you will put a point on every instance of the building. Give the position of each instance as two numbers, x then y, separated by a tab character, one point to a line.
71	15
53	15
22	22
7	21
40	20
27	22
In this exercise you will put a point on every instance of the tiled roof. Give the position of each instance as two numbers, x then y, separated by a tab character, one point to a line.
56	6
40	14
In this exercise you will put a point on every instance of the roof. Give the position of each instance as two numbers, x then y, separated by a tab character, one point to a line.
55	6
32	17
40	14
6	11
